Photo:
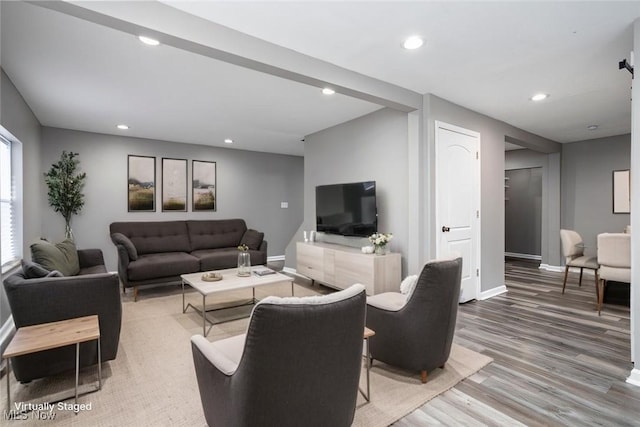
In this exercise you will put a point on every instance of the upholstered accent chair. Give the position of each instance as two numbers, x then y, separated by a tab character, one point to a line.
614	257
573	251
298	364
415	330
34	300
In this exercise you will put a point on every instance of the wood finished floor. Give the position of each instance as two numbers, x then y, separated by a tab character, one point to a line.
555	361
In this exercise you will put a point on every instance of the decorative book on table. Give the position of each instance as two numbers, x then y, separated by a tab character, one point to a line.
263	271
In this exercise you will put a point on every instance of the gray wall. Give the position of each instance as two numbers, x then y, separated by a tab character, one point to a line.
250	185
19	120
587	186
493	134
523	211
372	147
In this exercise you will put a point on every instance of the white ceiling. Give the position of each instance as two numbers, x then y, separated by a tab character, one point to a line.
487	56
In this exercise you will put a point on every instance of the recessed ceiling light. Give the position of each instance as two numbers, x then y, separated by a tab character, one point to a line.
539	96
592	127
228	141
148	40
328	91
413	42
122	127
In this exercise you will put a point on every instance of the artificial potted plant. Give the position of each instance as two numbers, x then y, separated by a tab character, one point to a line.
65	183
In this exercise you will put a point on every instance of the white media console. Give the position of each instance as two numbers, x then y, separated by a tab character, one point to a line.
341	266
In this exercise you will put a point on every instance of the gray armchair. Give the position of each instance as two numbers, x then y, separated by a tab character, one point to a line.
298	364
49	299
414	331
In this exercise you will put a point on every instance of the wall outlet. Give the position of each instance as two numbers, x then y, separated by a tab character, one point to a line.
284	205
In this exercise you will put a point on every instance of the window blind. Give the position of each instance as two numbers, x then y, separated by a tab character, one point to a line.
8	232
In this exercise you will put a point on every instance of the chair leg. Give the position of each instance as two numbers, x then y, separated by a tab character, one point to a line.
595	273
564	284
603	284
580	280
423	376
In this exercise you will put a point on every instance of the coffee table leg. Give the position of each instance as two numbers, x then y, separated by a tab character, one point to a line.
184	309
292	288
204	316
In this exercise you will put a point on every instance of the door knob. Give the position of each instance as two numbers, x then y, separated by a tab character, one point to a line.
445	229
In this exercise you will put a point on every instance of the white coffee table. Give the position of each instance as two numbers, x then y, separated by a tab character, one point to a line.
230	282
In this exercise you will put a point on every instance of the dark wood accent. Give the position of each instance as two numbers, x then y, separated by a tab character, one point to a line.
423	376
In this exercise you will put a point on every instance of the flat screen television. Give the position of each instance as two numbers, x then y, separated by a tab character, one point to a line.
347	209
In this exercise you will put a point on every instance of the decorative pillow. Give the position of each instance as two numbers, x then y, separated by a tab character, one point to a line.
408	284
121	239
61	256
252	238
55	273
31	270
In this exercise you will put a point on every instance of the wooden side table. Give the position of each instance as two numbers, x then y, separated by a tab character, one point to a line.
35	338
367	334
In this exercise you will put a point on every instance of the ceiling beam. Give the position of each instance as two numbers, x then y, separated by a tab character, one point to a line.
190	33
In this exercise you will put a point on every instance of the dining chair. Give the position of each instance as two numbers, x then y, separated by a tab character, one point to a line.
573	251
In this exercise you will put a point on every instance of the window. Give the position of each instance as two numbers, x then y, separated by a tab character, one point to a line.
11	249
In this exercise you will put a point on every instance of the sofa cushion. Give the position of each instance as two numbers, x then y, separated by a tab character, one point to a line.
252	239
214	234
61	256
155	236
31	270
94	269
159	265
217	259
121	239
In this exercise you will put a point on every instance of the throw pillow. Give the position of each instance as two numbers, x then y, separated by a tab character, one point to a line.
252	238
408	284
55	273
121	239
32	270
61	256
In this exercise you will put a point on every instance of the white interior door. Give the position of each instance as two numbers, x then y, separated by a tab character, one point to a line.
458	202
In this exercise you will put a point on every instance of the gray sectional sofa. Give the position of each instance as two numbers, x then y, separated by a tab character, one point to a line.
158	252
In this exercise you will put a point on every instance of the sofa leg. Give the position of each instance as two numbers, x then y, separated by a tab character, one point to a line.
135	293
423	376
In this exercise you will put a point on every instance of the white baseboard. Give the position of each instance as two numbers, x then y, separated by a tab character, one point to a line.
634	377
275	258
492	292
290	270
554	268
523	256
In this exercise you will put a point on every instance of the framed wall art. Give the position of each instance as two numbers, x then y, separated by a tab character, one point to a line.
621	191
141	173
204	186
174	185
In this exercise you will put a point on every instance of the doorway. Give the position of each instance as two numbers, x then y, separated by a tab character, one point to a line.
523	213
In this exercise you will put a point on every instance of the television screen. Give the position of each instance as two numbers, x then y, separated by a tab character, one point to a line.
347	209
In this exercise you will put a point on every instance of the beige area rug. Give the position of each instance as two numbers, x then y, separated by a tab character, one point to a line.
152	381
